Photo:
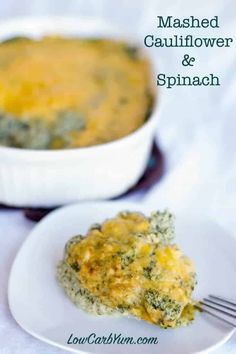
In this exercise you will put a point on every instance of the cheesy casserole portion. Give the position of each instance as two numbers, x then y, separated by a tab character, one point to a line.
69	92
129	265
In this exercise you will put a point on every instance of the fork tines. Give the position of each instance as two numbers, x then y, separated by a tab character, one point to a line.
220	308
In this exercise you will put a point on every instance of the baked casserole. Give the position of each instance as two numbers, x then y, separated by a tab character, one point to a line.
61	92
130	265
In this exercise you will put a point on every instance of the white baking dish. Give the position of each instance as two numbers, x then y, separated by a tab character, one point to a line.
54	177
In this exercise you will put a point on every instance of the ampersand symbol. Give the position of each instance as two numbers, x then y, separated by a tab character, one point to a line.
187	61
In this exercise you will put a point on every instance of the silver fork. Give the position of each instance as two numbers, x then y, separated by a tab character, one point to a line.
219	307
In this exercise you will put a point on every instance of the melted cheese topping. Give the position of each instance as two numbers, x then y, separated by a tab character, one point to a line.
121	265
104	82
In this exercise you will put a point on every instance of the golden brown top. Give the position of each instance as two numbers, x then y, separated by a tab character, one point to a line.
128	266
102	83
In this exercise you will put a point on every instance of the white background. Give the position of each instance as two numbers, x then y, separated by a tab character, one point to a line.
197	129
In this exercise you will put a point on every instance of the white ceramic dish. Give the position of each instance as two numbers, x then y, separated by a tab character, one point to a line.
50	178
40	306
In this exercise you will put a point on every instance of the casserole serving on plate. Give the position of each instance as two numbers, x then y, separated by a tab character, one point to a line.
77	111
129	265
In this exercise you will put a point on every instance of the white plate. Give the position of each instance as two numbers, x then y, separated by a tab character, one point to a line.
40	306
